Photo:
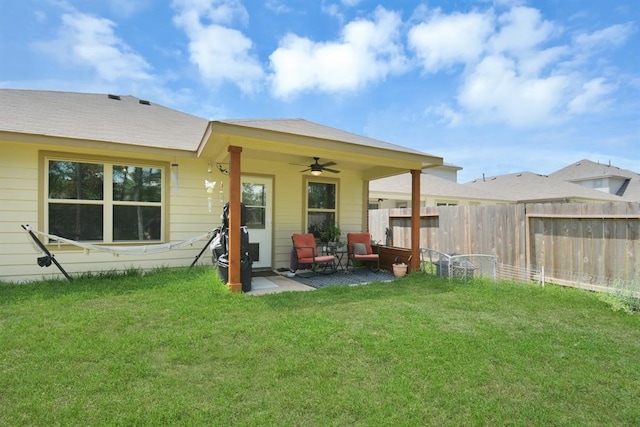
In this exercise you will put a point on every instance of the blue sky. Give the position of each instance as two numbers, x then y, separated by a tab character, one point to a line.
495	87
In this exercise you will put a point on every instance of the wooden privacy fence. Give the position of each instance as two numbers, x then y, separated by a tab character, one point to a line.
594	244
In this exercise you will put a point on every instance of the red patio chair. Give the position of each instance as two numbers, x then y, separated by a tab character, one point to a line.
359	250
306	253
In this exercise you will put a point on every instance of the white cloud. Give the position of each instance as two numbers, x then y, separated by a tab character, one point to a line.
445	114
496	92
40	16
514	73
592	97
367	51
90	41
614	35
277	6
220	53
509	3
537	62
445	40
521	31
221	12
128	8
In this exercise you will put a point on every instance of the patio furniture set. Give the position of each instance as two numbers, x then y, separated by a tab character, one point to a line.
359	251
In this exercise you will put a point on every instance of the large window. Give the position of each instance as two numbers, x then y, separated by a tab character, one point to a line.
104	201
321	206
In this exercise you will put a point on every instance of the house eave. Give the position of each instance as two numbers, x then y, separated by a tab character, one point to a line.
54	140
259	143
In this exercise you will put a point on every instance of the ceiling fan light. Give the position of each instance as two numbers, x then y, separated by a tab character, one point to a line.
316	169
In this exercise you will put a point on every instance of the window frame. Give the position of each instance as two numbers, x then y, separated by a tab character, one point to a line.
262	207
306	210
107	202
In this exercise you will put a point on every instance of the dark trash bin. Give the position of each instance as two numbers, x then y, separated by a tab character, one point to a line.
222	265
220	249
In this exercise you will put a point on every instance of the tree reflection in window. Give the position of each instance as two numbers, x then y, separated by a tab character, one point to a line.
69	184
134	183
321	206
76	180
77	205
254	198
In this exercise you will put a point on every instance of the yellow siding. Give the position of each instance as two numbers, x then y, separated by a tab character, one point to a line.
188	212
289	188
19	172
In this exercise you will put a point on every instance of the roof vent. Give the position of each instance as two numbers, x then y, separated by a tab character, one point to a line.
144	102
116	97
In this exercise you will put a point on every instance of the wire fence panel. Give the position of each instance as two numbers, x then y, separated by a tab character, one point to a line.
461	267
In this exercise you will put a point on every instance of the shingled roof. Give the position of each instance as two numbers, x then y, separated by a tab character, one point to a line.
530	187
99	117
314	130
128	120
432	186
589	170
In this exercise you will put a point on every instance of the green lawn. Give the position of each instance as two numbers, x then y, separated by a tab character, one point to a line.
175	348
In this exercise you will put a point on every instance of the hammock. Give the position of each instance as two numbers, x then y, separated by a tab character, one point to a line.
123	250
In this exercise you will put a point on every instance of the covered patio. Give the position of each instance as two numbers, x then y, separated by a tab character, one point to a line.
281	149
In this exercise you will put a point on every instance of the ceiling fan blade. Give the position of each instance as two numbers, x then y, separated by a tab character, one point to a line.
328	164
306	170
330	170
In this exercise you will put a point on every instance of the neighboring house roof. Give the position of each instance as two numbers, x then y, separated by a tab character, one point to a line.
431	186
585	170
531	187
99	117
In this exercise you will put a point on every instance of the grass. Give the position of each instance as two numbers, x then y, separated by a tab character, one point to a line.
173	347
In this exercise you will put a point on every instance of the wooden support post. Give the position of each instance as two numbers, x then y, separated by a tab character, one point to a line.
415	220
234	281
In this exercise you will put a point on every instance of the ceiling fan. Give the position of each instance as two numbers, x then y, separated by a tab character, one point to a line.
317	168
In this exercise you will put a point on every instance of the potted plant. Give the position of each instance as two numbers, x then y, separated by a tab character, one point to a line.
399	268
330	232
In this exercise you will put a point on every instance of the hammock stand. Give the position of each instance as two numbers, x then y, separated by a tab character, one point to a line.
204	248
48	258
